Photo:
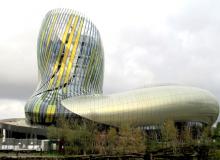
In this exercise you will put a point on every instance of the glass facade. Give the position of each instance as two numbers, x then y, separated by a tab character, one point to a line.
70	62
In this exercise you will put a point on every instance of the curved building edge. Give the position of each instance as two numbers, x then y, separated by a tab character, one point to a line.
147	106
70	63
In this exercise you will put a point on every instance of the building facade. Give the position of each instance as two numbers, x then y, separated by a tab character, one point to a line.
147	106
70	63
71	67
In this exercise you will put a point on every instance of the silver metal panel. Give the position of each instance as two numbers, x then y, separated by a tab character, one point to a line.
147	106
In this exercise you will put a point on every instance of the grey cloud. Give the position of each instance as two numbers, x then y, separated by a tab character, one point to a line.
11	108
20	91
18	67
197	16
174	55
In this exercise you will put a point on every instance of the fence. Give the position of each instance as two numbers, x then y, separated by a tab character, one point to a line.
26	144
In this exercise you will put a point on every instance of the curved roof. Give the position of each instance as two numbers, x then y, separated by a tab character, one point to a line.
147	106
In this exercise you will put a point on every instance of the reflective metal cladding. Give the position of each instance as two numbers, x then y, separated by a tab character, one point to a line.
71	67
147	106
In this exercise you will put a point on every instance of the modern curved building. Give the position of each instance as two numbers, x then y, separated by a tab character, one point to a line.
70	63
147	106
71	66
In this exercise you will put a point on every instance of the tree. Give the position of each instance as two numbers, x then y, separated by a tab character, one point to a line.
131	140
169	134
206	135
74	137
216	134
101	142
81	140
111	141
53	132
126	140
151	141
139	140
187	136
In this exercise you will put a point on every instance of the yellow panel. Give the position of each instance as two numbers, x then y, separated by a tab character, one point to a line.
66	52
50	112
53	109
37	110
61	48
49	108
47	114
73	52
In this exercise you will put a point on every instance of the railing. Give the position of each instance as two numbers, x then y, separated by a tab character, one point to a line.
23	144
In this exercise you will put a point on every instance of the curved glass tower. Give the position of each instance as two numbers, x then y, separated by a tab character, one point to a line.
70	63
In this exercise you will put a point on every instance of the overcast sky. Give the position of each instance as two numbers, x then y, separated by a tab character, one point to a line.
145	43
